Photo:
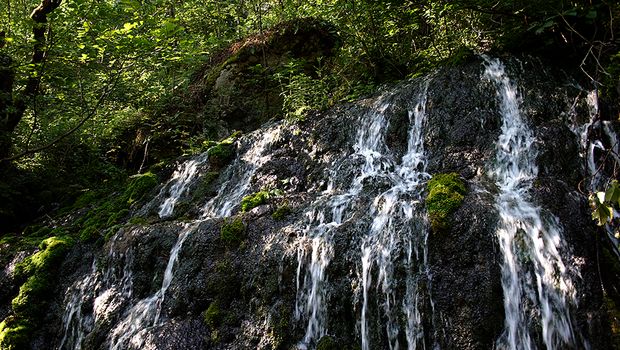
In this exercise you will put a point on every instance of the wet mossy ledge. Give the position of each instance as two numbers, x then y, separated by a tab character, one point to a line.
29	307
446	192
232	232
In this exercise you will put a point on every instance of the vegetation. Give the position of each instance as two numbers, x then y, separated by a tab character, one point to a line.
232	232
212	315
95	92
445	195
281	212
252	201
29	306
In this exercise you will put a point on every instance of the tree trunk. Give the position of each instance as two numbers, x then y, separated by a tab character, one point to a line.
12	107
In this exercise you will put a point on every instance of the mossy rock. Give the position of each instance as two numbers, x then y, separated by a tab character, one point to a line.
327	343
232	232
30	305
281	212
15	334
445	195
212	316
221	154
254	200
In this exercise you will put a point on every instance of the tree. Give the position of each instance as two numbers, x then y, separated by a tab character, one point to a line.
13	105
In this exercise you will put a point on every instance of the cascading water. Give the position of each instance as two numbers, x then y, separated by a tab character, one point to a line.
395	212
325	216
146	313
240	173
112	287
397	228
534	277
177	185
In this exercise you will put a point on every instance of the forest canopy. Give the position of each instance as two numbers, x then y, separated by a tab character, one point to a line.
86	87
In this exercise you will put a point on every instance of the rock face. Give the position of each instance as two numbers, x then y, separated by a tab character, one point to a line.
341	253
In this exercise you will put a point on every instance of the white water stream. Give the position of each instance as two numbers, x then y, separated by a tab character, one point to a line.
395	213
537	287
146	313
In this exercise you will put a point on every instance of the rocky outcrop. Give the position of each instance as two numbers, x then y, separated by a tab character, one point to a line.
292	252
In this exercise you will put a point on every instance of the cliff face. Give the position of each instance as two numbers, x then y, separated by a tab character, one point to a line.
444	212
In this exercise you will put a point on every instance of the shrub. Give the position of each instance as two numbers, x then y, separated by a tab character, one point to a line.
445	196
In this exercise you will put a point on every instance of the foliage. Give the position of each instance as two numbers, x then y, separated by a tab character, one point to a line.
445	195
603	203
118	81
28	307
301	92
232	232
104	215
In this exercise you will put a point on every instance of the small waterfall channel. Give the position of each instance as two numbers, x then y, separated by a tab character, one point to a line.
535	280
397	232
146	312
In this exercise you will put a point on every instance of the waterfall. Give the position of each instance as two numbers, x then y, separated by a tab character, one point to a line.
176	186
327	214
146	313
534	278
397	228
394	212
241	172
104	291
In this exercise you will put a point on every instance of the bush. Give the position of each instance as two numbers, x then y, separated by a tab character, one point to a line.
445	196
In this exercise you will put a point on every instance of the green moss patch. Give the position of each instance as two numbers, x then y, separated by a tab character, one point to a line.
232	232
281	212
212	316
254	200
105	216
445	196
30	305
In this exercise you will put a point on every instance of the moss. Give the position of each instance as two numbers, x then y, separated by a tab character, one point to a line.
138	186
103	218
254	200
212	316
30	305
221	154
15	334
327	343
613	313
232	232
445	196
281	212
